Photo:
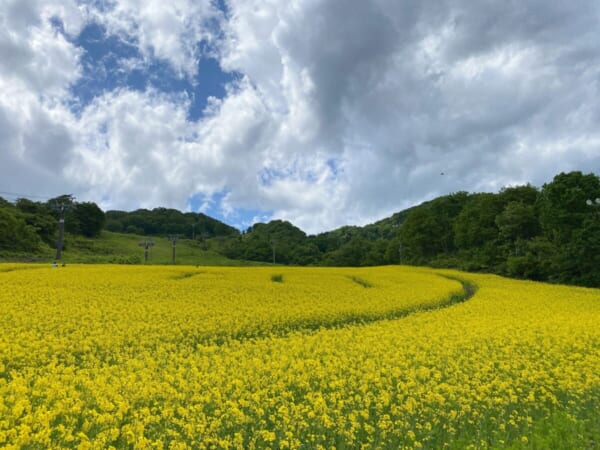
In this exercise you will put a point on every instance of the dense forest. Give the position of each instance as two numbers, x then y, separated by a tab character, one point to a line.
28	227
164	221
548	234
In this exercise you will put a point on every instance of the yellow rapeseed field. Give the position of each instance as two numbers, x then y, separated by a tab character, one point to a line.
278	357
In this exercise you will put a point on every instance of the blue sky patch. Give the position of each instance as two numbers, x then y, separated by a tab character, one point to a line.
110	63
334	167
240	218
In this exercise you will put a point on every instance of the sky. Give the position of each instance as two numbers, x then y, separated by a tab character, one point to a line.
321	112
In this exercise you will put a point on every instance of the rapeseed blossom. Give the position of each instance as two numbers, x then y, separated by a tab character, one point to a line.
182	357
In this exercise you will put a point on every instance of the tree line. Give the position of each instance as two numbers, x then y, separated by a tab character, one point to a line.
31	227
165	221
548	234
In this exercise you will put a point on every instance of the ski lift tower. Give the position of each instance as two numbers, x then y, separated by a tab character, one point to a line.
147	245
173	238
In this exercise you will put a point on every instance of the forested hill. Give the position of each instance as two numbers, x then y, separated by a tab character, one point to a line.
164	221
549	234
29	230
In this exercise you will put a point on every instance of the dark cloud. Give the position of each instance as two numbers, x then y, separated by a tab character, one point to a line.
406	90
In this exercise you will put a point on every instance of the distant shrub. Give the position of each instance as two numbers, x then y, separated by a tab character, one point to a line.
363	283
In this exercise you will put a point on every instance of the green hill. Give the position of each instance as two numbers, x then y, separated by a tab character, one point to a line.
548	234
120	248
165	221
29	232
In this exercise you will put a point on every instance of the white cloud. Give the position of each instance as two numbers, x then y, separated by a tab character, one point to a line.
128	149
33	52
35	141
169	31
342	114
399	93
37	66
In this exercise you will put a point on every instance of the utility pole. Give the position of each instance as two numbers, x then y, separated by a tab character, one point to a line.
61	207
61	231
273	242
146	245
173	238
194	231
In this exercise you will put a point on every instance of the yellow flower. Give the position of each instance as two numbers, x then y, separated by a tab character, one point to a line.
101	356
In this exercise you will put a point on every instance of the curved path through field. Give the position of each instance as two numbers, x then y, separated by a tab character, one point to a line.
468	290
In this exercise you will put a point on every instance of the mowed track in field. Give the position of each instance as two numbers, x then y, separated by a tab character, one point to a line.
172	357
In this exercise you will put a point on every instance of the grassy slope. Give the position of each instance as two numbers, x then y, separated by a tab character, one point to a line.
124	248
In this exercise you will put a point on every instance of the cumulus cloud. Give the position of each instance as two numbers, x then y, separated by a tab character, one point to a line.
37	65
35	142
170	31
127	149
33	52
399	93
339	115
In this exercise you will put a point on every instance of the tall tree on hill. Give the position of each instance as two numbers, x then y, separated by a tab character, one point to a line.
526	194
89	219
562	204
305	254
418	236
476	232
40	217
517	222
446	209
579	262
15	234
428	230
353	253
571	226
476	223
